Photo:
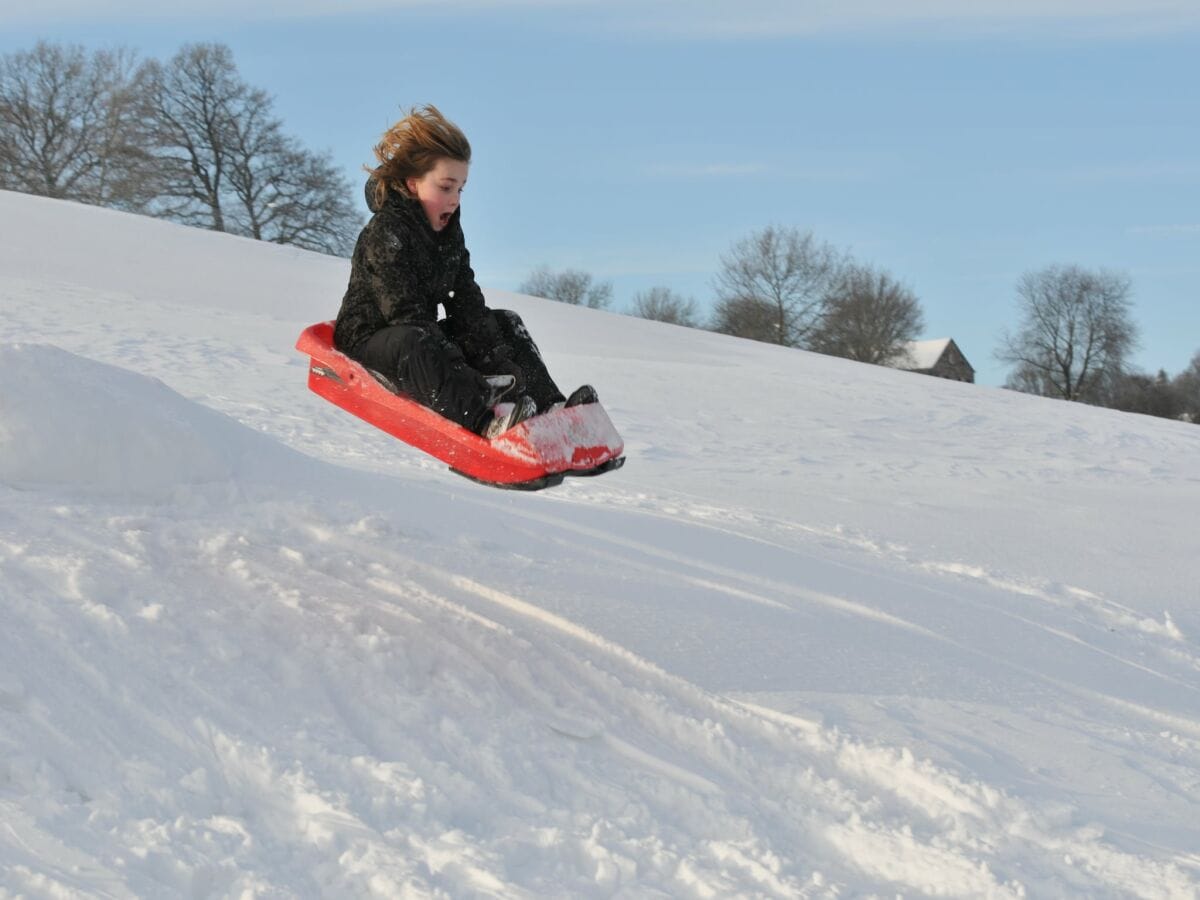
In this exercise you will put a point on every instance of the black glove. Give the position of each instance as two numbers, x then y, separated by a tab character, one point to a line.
479	338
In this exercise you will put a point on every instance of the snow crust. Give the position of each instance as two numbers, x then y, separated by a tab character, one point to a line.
834	630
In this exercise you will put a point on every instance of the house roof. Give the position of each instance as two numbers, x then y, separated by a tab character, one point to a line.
920	354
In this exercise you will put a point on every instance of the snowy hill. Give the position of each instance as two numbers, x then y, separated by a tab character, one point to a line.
834	630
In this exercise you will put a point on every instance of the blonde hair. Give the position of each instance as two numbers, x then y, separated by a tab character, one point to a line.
413	146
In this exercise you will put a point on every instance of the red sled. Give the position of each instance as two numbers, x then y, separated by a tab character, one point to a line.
534	454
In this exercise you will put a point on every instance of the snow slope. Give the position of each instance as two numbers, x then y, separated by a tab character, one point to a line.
834	630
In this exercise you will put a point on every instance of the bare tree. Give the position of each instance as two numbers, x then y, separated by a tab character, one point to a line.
663	305
1187	387
568	286
746	317
197	96
789	272
868	316
308	205
254	149
128	174
72	125
1140	393
228	166
285	194
1075	332
1028	380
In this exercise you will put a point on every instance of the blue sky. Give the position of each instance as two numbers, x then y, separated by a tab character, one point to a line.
639	140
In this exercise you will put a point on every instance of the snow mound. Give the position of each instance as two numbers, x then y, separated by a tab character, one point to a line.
68	421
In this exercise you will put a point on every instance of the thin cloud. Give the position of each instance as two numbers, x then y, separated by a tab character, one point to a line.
1167	231
691	18
1153	170
707	170
228	11
942	18
797	172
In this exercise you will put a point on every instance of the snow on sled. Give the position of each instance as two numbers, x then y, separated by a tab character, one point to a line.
535	454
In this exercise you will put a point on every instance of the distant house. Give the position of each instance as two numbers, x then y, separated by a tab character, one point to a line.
940	358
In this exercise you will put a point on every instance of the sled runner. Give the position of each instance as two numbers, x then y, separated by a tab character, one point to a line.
535	454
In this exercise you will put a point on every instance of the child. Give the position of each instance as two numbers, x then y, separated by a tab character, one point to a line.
410	257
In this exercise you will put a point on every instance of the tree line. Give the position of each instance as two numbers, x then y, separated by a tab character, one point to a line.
781	285
186	140
1073	342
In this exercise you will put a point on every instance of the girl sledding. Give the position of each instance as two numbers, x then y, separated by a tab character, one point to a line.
477	369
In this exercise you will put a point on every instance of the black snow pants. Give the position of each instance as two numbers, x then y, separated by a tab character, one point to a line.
443	366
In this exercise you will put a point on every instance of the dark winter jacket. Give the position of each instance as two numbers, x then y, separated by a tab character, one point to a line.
402	269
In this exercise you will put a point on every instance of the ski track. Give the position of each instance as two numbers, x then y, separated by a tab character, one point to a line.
786	596
342	608
851	775
1093	612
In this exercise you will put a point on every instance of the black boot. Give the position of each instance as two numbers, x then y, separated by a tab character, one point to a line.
585	393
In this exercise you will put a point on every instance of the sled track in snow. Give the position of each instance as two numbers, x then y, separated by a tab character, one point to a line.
818	777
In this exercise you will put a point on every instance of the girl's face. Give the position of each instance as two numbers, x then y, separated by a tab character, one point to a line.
440	190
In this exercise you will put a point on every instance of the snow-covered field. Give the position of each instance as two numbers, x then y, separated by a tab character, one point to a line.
834	630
